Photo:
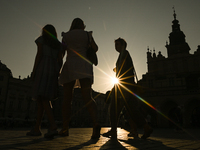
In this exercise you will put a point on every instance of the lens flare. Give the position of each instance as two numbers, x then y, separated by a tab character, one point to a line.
114	80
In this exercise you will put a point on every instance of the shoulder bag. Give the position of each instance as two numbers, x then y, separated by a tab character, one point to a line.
91	54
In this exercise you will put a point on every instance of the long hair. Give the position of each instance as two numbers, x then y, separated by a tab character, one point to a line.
77	23
50	36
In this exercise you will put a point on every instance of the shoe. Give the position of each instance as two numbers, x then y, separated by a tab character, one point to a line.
96	132
64	132
147	133
51	133
110	133
133	134
33	133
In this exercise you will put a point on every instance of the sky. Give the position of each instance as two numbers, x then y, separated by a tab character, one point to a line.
142	23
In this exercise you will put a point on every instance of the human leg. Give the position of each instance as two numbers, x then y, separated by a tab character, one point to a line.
36	131
133	126
91	105
48	110
39	116
66	106
115	109
89	101
137	117
52	131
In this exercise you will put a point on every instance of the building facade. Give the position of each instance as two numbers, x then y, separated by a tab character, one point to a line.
16	103
5	75
172	84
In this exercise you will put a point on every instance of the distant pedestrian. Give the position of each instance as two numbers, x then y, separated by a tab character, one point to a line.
77	71
45	73
122	96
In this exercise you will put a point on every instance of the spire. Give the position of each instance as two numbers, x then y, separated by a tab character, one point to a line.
174	13
175	26
149	57
177	43
154	54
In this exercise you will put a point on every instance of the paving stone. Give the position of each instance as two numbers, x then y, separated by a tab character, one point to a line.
79	138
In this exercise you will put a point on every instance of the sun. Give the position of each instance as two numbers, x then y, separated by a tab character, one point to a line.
115	80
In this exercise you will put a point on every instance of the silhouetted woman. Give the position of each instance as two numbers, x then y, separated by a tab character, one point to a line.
78	71
45	72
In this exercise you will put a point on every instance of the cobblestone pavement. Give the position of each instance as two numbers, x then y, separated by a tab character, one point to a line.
161	139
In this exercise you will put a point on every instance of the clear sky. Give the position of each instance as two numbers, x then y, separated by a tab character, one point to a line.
141	23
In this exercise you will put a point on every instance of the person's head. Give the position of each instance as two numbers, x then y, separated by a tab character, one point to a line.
120	44
50	36
77	23
49	31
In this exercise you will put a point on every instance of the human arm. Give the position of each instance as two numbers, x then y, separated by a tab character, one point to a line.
60	58
64	47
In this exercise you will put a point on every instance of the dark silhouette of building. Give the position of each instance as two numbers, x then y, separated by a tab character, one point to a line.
172	84
16	103
5	75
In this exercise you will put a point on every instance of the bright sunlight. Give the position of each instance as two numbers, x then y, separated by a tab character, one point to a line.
115	80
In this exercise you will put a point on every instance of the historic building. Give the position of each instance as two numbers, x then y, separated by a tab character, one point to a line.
16	103
5	75
15	100
172	84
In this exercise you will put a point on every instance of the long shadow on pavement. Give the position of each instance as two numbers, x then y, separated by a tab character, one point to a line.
146	144
113	144
90	142
22	144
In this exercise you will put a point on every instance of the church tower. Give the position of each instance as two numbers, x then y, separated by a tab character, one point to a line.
177	44
172	83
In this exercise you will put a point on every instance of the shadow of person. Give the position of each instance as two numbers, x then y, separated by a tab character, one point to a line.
90	142
112	144
21	144
146	144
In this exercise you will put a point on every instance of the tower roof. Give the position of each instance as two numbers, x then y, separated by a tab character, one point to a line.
177	43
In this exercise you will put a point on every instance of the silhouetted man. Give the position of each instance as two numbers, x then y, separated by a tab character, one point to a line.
122	93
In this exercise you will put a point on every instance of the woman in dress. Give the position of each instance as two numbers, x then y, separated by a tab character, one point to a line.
45	76
77	71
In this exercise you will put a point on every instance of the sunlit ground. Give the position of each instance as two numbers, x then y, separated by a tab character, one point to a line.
79	138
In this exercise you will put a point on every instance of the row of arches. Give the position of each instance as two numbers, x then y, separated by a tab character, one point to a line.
173	113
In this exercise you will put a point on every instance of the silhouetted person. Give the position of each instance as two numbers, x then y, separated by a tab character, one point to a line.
78	72
45	72
122	93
